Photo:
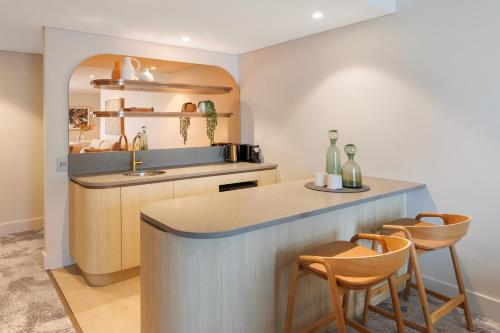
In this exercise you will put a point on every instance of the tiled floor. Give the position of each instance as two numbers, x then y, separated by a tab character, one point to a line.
452	323
29	302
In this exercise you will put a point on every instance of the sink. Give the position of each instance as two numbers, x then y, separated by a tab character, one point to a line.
144	173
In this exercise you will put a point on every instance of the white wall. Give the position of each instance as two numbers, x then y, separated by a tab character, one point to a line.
21	132
63	51
418	92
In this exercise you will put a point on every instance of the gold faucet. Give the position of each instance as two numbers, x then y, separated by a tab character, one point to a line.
134	146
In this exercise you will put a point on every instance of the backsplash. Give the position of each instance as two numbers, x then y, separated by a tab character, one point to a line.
91	163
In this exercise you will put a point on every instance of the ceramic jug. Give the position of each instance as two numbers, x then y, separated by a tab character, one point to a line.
128	72
146	75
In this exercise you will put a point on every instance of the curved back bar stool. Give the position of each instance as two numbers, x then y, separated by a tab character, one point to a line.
348	266
427	237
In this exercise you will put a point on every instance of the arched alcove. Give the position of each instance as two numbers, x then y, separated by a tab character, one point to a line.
93	130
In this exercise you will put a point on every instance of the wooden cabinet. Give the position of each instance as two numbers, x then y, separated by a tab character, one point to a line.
95	227
104	229
133	198
268	177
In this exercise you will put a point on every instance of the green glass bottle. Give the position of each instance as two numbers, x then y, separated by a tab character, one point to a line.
333	164
351	172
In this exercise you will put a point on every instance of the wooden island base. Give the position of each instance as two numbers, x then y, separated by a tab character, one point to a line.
239	283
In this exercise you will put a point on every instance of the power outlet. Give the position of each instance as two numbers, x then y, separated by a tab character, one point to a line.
62	164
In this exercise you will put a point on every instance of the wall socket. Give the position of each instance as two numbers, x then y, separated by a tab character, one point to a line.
62	164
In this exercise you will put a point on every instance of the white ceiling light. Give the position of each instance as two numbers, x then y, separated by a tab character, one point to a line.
185	39
317	15
92	76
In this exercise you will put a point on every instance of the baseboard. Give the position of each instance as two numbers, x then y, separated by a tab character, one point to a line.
480	304
56	260
21	225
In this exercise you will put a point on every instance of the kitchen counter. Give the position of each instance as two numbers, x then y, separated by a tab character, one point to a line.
171	174
231	213
105	211
221	262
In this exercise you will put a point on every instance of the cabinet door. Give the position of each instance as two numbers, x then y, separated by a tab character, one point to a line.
95	229
268	177
204	185
133	198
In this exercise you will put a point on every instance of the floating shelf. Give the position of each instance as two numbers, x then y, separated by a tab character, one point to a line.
153	86
137	114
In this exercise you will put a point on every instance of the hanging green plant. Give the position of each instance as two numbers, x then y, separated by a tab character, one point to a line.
211	115
186	121
184	125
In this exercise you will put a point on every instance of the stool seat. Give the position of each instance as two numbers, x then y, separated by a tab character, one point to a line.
427	237
342	249
409	222
420	244
348	266
430	236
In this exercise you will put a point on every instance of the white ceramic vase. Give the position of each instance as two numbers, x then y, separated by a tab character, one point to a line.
128	71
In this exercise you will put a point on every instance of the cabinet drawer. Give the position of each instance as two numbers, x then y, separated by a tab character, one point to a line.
198	186
268	177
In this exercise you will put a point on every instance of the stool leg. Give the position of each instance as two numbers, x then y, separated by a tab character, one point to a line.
409	271
368	297
395	304
368	294
460	282
421	290
291	296
337	308
345	302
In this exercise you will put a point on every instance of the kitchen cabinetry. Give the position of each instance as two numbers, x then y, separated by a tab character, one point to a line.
133	198
105	223
268	177
95	229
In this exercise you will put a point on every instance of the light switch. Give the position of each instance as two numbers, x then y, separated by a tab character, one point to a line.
62	164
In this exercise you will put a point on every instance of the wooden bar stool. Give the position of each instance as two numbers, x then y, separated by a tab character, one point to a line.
427	237
348	266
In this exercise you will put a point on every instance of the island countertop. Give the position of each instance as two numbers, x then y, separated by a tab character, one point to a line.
175	173
230	213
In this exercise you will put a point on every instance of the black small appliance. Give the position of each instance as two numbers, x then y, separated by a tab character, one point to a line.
249	153
244	153
254	154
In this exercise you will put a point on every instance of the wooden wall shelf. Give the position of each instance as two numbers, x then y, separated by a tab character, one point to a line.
153	86
136	114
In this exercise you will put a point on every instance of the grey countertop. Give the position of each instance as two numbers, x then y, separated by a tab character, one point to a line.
171	174
225	214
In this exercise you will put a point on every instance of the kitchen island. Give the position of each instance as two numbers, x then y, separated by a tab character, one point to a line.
220	262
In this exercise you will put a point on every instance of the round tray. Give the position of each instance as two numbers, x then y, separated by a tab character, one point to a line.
311	186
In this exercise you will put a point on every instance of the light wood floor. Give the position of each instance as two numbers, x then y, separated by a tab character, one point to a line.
113	308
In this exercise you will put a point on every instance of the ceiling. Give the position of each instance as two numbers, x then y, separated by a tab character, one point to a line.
229	26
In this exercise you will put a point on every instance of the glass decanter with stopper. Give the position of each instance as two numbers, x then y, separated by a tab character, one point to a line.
351	172
144	138
333	164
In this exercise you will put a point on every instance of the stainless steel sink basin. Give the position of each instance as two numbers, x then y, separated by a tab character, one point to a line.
144	173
